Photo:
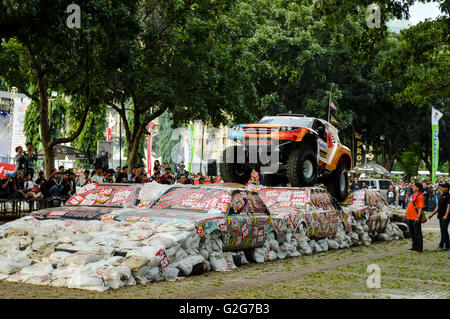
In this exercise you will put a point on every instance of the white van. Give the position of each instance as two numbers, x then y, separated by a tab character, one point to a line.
381	185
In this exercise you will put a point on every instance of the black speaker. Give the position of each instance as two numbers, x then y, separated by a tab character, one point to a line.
212	168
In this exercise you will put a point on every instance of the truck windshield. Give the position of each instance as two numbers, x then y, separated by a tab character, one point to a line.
288	120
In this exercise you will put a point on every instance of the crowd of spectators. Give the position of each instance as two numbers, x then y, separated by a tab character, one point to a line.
161	173
400	190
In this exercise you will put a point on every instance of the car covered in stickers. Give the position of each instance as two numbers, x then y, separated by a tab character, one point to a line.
244	217
288	148
371	205
93	201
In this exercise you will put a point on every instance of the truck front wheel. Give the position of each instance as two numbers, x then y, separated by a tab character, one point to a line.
302	167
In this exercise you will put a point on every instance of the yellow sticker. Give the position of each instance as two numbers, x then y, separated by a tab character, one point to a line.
228	220
247	242
233	242
314	216
310	232
316	231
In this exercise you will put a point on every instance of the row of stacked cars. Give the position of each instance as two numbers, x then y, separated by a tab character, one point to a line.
115	235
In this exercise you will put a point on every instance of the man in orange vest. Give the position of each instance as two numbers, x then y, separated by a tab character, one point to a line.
413	214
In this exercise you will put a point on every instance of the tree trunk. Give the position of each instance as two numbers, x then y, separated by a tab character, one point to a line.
49	161
133	148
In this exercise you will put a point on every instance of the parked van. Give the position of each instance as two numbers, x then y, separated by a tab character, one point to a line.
381	185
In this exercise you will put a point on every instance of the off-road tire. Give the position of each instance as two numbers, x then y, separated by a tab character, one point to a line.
232	171
296	170
337	187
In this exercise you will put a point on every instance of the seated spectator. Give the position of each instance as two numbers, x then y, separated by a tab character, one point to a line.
167	178
109	178
98	176
156	177
34	189
144	179
85	178
74	183
201	181
54	184
122	177
42	183
8	187
65	186
22	191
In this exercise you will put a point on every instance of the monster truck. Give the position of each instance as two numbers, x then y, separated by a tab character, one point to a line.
288	148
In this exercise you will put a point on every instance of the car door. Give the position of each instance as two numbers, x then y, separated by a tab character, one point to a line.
239	222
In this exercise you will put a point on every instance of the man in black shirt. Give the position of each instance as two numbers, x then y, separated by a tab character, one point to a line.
443	211
42	182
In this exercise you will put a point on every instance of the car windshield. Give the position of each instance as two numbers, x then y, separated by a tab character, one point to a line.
104	196
288	120
200	199
385	184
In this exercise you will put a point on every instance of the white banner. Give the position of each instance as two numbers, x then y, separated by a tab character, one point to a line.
18	118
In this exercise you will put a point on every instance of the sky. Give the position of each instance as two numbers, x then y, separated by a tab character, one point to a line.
420	11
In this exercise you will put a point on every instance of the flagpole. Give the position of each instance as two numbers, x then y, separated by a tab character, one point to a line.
329	102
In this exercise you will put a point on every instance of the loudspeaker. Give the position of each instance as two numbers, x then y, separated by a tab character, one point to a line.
212	168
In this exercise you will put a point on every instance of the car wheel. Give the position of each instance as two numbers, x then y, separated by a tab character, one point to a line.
233	167
337	184
302	167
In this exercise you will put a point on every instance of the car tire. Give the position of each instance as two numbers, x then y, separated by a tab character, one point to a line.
230	170
337	183
302	167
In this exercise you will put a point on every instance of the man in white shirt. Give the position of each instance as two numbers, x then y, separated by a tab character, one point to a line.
98	176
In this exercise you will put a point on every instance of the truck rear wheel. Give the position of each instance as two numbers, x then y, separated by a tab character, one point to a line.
337	183
233	167
302	167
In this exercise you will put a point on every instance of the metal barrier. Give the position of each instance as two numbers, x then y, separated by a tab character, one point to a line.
17	207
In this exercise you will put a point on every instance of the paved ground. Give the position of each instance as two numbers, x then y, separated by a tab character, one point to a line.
333	274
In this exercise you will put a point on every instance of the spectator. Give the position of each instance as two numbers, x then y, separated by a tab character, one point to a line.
85	178
109	178
34	189
413	214
355	185
118	171
364	186
157	167
201	181
65	186
8	186
98	176
156	177
22	191
61	169
74	183
443	211
167	178
402	197
42	183
181	170
30	158
132	175
391	195
162	168
54	184
123	175
19	159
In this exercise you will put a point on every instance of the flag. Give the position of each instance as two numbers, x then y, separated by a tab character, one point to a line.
435	117
111	122
332	106
334	121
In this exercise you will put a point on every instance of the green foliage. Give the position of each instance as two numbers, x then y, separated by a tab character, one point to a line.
163	144
93	131
410	160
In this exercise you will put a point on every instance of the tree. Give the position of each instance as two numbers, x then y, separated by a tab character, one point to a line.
184	60
39	50
163	144
93	131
